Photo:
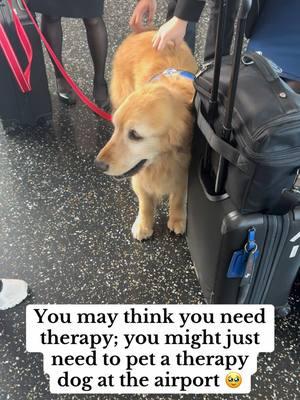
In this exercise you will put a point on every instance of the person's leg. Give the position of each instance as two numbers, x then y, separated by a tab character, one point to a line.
190	36
52	29
232	9
97	40
12	292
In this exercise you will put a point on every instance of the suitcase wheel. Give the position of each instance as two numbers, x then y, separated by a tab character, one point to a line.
283	311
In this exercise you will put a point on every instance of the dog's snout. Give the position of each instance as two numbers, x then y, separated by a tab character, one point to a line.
101	165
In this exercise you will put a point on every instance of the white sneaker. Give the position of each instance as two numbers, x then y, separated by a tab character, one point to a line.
13	292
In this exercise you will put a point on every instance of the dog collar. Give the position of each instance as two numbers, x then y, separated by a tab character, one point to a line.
173	72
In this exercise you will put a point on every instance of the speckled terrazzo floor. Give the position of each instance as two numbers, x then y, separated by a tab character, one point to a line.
66	230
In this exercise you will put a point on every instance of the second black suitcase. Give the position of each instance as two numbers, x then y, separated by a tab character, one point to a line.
216	230
16	107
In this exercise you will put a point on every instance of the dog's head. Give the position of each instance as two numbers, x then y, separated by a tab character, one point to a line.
150	122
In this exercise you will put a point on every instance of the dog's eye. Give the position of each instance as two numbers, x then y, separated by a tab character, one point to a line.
133	135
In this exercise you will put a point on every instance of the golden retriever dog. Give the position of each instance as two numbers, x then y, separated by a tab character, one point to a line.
152	122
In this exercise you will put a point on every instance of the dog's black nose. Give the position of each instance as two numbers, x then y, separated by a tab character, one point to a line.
101	165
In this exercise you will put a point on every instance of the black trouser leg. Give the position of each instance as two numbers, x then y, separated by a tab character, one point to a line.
232	9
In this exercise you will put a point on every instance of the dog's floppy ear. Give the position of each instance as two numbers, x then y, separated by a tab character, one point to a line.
180	133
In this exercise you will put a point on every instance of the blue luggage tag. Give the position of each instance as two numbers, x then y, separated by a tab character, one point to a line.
237	264
239	258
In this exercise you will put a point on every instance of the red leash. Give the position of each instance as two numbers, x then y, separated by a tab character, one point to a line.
23	77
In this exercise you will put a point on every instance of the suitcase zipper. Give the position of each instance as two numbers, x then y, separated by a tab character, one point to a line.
266	260
275	123
285	227
283	158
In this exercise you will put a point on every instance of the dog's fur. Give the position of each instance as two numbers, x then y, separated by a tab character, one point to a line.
159	112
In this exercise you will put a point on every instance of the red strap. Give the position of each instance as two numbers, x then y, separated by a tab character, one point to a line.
23	37
22	77
70	81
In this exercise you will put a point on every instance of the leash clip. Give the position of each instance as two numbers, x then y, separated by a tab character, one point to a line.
204	67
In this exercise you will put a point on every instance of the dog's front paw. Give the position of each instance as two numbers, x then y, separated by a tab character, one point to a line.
177	225
141	232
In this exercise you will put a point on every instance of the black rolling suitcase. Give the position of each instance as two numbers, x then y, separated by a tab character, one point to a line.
16	107
239	258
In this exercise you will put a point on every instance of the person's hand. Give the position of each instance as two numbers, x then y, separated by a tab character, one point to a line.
144	8
172	31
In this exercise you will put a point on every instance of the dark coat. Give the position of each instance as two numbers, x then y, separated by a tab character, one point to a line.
257	6
68	8
189	10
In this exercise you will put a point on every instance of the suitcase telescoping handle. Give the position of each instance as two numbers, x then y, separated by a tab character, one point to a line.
213	100
227	127
238	46
22	76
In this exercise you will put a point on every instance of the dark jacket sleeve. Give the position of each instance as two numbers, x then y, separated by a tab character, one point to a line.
189	10
253	16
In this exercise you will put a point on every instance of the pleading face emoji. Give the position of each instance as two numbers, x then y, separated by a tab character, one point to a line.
233	379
